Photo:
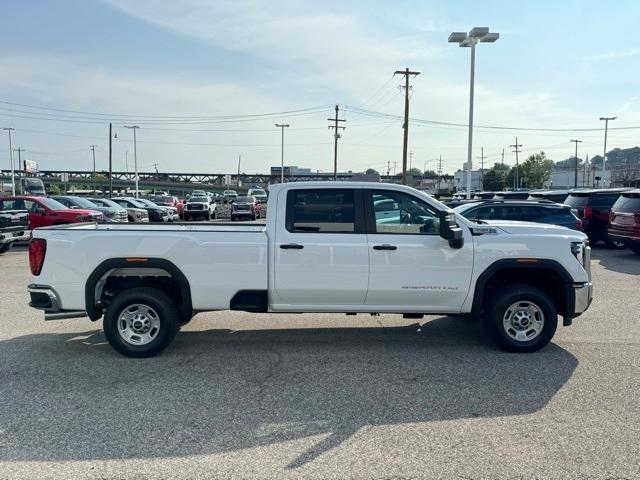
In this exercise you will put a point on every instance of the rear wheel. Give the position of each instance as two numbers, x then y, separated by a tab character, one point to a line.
5	247
207	216
140	322
520	318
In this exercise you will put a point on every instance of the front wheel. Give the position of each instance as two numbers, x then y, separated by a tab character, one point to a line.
5	247
141	322
520	318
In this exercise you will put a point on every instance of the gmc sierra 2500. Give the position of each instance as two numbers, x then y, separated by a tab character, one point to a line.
326	247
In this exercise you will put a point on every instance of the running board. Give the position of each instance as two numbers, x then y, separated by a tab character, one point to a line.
65	315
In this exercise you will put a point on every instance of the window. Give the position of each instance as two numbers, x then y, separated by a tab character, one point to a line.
397	212
321	211
489	212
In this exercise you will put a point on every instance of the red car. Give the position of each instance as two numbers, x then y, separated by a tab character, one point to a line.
45	211
624	223
169	201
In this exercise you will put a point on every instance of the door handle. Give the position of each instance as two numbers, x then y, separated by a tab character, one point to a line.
385	247
291	246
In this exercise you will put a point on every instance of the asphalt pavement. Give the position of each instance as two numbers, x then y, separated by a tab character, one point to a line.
242	395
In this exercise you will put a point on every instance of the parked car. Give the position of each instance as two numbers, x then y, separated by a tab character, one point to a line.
558	196
593	207
229	195
624	225
156	214
134	215
109	214
45	211
200	207
14	227
32	186
171	212
198	193
512	195
521	210
169	201
518	276
259	194
245	207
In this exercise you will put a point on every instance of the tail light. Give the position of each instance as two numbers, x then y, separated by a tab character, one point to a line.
37	251
587	212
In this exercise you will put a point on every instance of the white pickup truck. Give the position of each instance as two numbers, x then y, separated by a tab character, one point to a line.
326	247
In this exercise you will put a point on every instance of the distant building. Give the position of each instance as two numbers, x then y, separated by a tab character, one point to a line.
563	178
291	170
460	179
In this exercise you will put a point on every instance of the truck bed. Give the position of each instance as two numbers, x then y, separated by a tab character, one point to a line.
217	260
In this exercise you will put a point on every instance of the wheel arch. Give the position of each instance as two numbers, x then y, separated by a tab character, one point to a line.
545	274
98	278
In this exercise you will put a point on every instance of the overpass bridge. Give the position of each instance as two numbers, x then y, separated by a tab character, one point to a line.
175	183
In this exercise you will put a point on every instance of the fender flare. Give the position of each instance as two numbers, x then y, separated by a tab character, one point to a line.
528	264
94	312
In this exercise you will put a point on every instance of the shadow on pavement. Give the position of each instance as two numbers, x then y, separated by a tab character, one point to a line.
621	261
70	397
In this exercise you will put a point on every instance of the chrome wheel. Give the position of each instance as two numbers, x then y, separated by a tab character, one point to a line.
138	324
523	321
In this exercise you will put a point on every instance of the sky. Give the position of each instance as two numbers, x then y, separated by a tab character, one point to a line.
207	80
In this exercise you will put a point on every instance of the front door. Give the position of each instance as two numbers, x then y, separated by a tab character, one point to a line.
412	268
321	254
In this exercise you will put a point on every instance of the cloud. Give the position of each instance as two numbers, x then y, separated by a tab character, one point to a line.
632	52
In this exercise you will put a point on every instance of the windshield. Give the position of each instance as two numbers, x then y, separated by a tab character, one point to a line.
245	199
147	203
199	200
105	202
230	192
628	202
52	204
577	200
467	206
83	203
258	192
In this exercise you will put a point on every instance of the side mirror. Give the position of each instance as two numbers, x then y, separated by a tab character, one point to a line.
449	229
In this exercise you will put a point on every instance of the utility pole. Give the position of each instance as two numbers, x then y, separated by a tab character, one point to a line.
19	150
281	126
604	154
406	72
336	136
389	167
516	150
238	178
575	170
440	166
93	150
481	186
13	174
135	153
395	166
585	171
503	157
411	160
110	162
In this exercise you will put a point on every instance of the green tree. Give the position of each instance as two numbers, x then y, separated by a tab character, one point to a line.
372	171
495	179
536	170
54	189
415	172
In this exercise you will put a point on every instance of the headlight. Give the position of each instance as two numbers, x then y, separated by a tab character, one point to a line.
109	213
579	250
138	215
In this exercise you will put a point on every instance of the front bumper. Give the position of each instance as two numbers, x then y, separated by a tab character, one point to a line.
583	295
15	234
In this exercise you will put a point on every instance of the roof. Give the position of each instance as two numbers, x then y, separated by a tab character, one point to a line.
590	191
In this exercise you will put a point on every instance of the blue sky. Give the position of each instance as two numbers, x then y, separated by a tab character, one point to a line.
556	65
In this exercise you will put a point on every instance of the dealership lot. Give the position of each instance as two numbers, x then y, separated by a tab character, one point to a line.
323	396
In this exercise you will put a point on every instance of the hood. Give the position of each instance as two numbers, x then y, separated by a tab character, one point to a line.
531	228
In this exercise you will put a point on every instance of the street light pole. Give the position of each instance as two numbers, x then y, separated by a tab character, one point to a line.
282	126
575	170
604	154
13	175
93	150
135	154
475	35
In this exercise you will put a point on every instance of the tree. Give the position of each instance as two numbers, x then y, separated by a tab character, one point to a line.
495	179
536	170
54	189
414	172
372	171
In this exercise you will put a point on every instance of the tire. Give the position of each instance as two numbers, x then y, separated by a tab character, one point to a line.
154	308
213	215
253	217
233	219
207	216
5	247
513	302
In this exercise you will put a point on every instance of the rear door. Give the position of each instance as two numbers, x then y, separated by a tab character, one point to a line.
411	267
321	258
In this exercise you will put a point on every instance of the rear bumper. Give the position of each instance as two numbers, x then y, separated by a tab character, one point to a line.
630	240
45	298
